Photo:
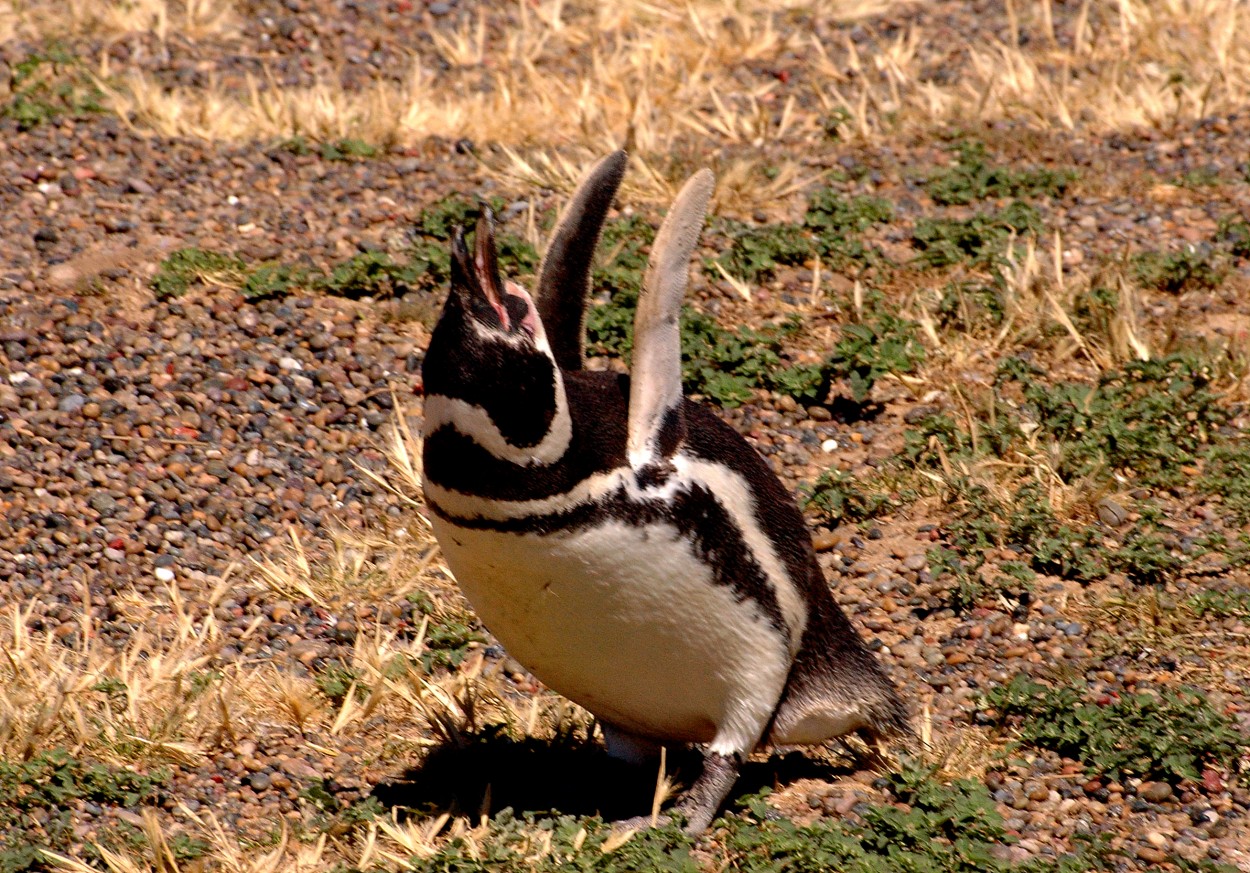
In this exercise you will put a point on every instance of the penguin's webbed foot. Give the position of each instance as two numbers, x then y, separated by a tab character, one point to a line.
699	805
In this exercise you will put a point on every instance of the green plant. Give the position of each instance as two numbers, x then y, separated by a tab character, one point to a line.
369	274
617	281
837	223
882	343
45	85
839	497
973	178
930	827
1233	234
969	305
183	267
1188	269
37	798
1167	736
1230	603
346	149
268	281
1147	421
755	252
979	241
1226	472
335	680
449	633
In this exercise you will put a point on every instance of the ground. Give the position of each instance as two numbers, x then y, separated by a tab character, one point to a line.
975	282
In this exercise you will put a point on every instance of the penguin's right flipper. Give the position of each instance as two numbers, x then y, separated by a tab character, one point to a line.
656	421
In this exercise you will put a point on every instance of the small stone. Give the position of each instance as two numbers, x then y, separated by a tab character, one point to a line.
1111	513
164	574
72	403
830	445
102	502
259	781
1155	792
290	364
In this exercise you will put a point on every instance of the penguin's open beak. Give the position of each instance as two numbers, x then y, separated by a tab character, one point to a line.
499	304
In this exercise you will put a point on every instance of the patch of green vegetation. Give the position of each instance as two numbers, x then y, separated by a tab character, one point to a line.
837	222
426	265
726	366
1025	524
346	149
1146	421
1199	177
370	274
336	818
970	305
449	633
1193	268
335	680
617	281
930	827
756	251
978	241
840	497
1153	421
36	796
48	84
271	280
972	177
1214	603
560	845
1167	736
184	267
882	343
1233	234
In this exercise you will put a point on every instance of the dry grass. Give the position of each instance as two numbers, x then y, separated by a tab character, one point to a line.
40	20
557	82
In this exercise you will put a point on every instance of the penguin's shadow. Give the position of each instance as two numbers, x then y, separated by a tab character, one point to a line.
488	771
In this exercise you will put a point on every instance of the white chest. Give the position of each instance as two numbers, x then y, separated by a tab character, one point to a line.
629	622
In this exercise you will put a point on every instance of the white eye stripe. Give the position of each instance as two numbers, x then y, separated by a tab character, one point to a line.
475	422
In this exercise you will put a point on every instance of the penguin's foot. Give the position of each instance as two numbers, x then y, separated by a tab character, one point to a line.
699	805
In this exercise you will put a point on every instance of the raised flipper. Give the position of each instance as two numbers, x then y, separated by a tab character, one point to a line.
564	275
656	425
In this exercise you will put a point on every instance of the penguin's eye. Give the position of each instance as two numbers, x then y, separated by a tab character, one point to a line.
518	309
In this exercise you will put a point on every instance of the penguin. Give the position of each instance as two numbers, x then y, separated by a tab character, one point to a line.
622	542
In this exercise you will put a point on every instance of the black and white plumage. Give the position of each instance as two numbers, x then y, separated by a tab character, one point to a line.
622	542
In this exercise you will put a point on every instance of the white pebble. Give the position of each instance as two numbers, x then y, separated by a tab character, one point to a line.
164	574
290	364
829	445
18	377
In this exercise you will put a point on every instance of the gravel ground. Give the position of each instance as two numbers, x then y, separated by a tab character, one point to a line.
145	441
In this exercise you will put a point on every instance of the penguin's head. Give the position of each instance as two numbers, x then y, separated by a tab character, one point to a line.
489	354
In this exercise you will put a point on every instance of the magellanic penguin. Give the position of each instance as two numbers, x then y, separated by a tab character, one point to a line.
622	542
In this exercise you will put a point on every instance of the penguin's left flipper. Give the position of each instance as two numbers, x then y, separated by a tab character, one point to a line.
657	427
